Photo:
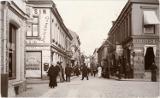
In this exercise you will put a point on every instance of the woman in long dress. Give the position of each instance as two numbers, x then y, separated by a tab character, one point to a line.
99	71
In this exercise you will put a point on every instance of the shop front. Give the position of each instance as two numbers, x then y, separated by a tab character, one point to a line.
146	52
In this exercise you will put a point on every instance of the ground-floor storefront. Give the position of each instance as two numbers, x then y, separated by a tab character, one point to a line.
40	57
37	61
140	53
58	55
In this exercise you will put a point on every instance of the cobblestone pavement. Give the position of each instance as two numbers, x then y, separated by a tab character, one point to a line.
96	88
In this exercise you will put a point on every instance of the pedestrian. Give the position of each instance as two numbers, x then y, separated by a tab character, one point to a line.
127	70
94	70
153	72
76	70
84	71
52	73
68	71
62	71
57	70
60	74
99	71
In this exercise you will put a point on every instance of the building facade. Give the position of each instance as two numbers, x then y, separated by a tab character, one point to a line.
75	49
137	30
12	52
103	59
95	57
47	40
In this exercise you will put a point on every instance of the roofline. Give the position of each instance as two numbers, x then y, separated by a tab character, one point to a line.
59	18
54	11
128	4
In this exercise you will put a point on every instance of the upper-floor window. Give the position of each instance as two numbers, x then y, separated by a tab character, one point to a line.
150	29
150	21
33	29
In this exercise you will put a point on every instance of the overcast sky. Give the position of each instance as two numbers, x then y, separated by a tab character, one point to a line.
90	19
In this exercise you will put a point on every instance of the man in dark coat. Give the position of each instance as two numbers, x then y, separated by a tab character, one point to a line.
57	70
84	71
68	71
154	72
52	76
61	72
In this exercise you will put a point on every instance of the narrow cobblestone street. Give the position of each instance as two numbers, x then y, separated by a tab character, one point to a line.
94	88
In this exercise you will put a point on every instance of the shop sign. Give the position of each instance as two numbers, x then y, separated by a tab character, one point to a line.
145	41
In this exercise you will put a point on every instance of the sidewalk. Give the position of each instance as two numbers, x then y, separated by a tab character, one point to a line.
37	87
131	79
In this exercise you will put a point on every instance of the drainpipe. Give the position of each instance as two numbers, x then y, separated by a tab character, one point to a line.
4	66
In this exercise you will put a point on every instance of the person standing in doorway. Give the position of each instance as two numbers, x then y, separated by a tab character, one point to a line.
153	72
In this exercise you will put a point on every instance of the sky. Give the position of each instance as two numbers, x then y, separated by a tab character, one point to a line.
90	19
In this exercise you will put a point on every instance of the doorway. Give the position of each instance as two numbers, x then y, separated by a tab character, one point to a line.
149	58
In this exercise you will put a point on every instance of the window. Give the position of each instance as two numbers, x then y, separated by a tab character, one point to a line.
12	51
35	20
29	30
149	29
150	20
33	29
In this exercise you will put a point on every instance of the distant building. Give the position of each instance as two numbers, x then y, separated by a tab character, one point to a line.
12	47
137	30
103	58
48	41
95	56
75	48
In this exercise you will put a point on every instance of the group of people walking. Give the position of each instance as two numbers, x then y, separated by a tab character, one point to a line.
57	70
64	74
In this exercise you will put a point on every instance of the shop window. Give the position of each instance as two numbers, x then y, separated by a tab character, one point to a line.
12	51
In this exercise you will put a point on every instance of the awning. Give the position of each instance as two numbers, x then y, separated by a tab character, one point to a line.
154	49
150	17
